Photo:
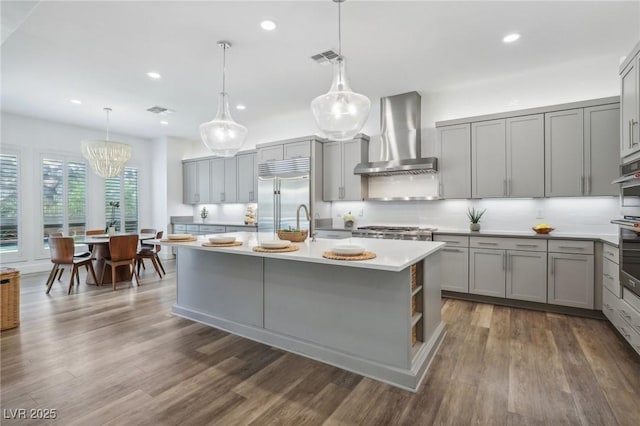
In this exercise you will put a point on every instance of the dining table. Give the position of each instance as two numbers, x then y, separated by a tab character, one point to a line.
99	246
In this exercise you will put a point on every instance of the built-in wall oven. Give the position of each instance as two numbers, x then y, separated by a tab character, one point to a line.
629	226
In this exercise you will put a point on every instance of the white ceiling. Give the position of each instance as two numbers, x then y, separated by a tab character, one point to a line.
99	52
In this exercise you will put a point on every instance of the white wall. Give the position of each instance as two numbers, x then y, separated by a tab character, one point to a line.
33	137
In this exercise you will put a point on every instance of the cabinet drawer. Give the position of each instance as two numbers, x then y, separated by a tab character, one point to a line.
630	315
240	228
297	150
337	235
571	246
611	277
611	253
179	228
212	229
270	153
453	240
631	299
610	305
528	244
194	229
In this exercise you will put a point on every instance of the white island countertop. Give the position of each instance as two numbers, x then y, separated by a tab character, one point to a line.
391	255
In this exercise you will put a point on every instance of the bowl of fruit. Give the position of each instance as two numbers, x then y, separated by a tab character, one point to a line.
543	228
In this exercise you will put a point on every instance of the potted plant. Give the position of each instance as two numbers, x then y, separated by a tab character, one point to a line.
203	214
111	226
474	216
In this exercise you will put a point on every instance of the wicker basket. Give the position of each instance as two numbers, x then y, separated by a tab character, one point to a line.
9	298
413	305
414	276
293	236
414	335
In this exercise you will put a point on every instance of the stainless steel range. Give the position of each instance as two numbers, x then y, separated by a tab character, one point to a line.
395	232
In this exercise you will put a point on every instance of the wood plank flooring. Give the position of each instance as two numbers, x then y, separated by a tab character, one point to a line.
120	357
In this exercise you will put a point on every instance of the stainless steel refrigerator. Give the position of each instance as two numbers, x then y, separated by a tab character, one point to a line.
282	187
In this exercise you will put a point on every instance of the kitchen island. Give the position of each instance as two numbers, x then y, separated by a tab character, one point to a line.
378	317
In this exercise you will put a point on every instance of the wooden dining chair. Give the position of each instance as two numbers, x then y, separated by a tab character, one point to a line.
143	245
123	250
61	249
55	270
151	254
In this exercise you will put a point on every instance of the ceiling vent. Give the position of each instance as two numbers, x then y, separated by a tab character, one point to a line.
325	57
160	110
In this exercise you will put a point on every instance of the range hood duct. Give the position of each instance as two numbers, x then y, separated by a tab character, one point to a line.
399	140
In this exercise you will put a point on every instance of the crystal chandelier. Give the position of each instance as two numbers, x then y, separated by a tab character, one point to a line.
107	158
340	113
222	135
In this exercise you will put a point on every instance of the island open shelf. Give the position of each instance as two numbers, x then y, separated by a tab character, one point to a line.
379	318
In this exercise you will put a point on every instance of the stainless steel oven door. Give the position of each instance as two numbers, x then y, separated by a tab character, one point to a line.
630	258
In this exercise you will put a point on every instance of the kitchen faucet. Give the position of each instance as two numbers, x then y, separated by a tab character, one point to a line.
306	210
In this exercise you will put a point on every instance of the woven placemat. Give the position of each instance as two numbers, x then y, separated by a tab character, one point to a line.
188	240
231	244
280	250
364	256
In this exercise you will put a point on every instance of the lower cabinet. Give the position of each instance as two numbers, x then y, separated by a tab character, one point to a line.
487	272
570	280
526	276
454	269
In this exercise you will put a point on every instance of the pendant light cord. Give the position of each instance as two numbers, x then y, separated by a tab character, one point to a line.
339	31
224	65
107	110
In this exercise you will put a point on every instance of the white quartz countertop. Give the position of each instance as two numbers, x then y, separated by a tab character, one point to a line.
609	239
391	255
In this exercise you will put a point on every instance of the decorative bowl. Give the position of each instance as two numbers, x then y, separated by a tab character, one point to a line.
293	236
219	239
179	236
347	250
543	230
275	244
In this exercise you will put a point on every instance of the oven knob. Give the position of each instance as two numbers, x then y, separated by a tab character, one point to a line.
632	283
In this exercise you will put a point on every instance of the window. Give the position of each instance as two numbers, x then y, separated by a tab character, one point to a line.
124	191
9	204
64	197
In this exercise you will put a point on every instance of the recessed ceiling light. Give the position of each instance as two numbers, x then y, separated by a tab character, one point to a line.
241	107
510	38
154	75
164	123
76	101
268	25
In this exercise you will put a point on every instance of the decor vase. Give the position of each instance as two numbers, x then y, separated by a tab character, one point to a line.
474	226
112	231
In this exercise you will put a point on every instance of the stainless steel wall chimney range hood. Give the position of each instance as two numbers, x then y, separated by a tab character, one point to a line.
399	140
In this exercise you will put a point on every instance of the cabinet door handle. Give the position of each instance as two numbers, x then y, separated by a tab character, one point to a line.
631	138
526	245
610	253
588	184
222	196
452	250
606	305
630	128
553	266
582	185
508	262
487	244
509	187
571	247
625	314
504	187
504	262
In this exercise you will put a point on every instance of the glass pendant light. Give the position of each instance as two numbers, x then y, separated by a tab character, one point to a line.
340	113
107	158
222	135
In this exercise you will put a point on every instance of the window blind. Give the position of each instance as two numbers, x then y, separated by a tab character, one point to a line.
8	203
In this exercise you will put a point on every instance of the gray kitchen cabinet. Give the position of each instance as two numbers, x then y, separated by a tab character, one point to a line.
564	153
525	156
230	194
247	178
487	272
455	262
338	180
488	159
297	150
601	135
455	161
190	183
270	153
195	182
570	280
508	157
217	180
526	275
630	108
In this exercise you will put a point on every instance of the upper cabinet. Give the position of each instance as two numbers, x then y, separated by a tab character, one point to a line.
284	151
455	161
217	180
630	105
270	153
581	158
195	182
508	157
247	178
338	180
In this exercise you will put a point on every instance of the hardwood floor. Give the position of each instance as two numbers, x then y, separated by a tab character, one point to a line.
120	357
